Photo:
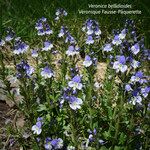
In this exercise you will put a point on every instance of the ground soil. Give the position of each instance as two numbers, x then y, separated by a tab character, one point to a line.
6	117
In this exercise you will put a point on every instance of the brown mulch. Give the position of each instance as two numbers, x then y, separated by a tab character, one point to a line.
6	117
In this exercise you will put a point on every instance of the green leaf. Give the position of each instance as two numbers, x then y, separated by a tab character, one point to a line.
52	97
118	148
42	108
103	148
91	148
122	138
35	146
106	134
48	117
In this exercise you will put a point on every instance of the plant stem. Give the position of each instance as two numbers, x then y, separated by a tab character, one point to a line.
117	126
73	136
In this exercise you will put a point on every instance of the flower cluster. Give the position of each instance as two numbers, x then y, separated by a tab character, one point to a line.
66	34
92	30
43	27
70	93
91	135
135	49
72	50
137	88
88	61
60	13
75	83
107	47
53	143
126	63
10	35
24	70
47	46
47	72
20	47
120	64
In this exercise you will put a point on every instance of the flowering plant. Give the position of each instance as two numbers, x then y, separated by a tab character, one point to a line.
57	88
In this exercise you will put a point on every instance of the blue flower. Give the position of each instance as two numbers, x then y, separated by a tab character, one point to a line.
20	47
47	72
37	128
67	93
128	87
89	23
137	77
43	19
91	135
135	64
34	53
48	145
39	26
29	70
136	100
87	62
102	142
38	139
94	131
48	30
116	41
146	54
40	119
2	42
61	102
62	32
47	46
41	32
97	31
119	65
60	13
10	35
91	138
57	143
74	71
91	27
89	40
107	48
122	35
75	83
53	143
95	61
24	70
75	103
145	91
43	27
135	49
89	31
72	50
70	39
